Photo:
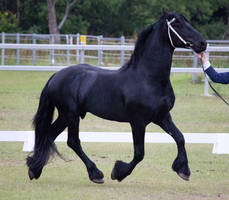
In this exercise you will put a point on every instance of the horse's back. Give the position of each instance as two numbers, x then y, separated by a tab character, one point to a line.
91	88
68	80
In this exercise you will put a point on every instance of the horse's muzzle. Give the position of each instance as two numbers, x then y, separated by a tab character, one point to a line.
199	46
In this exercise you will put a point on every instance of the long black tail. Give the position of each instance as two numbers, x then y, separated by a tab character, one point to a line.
44	143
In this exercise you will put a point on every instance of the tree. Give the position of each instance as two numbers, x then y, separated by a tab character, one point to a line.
8	22
52	21
8	18
224	7
67	10
118	17
111	18
33	19
53	29
227	27
18	9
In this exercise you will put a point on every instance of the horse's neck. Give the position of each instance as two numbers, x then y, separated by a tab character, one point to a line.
157	58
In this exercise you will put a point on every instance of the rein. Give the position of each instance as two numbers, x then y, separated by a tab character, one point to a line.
187	44
217	94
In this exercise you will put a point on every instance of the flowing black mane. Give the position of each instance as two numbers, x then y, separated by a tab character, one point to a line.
140	43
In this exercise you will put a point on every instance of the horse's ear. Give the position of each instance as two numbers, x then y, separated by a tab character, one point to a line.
164	11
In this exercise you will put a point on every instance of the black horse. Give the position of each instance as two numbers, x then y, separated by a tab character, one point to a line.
139	93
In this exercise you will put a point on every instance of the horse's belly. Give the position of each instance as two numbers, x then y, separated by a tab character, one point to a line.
106	106
109	114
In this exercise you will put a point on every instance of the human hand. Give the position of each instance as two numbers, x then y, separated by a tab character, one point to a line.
202	56
206	64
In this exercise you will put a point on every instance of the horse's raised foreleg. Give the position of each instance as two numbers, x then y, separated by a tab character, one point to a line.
180	165
73	142
122	169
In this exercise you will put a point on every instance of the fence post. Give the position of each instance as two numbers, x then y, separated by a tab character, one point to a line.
77	50
82	55
3	50
68	42
206	85
34	50
195	63
51	41
100	52
122	51
18	50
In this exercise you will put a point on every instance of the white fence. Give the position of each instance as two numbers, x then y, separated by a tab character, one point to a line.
94	47
57	68
220	141
82	48
80	51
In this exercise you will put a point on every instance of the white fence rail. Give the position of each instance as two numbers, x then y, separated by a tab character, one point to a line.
82	48
57	68
220	141
94	47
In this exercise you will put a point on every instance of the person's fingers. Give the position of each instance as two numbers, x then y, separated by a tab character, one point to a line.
200	55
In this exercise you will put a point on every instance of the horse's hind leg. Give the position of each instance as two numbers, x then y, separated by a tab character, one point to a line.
39	158
94	173
180	165
122	169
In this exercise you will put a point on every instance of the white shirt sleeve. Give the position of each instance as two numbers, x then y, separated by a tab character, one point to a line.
206	65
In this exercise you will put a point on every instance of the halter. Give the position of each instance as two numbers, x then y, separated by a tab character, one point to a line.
187	44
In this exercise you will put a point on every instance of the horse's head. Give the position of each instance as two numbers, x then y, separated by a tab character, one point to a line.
182	34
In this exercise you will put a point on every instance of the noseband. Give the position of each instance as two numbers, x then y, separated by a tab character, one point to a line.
187	44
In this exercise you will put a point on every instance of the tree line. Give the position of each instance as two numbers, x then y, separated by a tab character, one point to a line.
109	17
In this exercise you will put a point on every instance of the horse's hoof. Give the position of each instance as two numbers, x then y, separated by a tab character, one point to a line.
31	175
98	181
113	177
95	175
183	176
113	174
119	173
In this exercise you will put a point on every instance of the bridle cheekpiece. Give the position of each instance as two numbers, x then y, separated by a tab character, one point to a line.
187	44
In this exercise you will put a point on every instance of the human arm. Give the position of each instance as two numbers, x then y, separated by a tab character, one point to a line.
222	78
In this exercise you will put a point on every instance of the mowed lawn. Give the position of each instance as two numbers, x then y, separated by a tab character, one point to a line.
152	178
192	112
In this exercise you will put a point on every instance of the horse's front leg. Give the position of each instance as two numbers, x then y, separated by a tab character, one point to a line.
180	165
122	169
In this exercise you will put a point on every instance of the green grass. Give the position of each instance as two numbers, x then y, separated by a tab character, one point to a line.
152	179
193	112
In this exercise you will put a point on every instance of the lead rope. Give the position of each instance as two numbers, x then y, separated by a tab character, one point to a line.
217	94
